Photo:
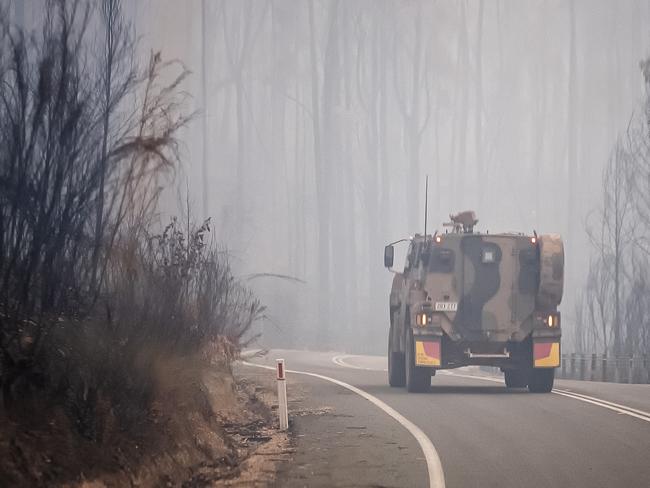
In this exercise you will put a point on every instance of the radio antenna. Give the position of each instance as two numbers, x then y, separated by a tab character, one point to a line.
426	201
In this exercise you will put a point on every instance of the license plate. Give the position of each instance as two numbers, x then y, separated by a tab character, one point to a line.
446	306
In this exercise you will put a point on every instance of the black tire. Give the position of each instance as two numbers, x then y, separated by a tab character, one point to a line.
516	378
396	364
418	379
541	380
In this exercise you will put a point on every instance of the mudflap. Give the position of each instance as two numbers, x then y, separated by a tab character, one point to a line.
427	351
546	353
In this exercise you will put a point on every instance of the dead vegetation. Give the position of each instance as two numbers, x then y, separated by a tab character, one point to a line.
115	338
613	308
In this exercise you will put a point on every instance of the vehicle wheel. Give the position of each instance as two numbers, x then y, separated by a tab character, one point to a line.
541	380
396	366
516	378
418	379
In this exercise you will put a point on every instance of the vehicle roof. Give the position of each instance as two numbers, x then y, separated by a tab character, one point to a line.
420	237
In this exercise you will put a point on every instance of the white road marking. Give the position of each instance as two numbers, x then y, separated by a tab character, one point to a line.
616	407
434	466
340	361
640	412
622	409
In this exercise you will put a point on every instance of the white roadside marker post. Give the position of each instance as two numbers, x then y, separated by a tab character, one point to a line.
282	395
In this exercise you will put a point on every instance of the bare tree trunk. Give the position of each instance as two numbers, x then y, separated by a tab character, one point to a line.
414	135
463	52
571	132
617	254
538	125
369	71
241	152
539	136
345	242
204	119
382	115
322	189
19	12
410	105
298	203
111	13
240	33
478	121
278	170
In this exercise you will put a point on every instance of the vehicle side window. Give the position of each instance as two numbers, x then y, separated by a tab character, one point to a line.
410	257
416	255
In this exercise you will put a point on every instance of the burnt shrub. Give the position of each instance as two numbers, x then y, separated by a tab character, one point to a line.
93	299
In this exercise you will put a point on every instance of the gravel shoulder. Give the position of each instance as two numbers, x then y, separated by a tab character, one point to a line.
339	439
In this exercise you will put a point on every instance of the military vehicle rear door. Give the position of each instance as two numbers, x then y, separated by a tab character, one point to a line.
486	278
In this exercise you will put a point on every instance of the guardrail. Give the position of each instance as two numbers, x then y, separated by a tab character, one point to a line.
601	367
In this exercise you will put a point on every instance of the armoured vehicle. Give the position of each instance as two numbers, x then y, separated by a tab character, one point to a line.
468	298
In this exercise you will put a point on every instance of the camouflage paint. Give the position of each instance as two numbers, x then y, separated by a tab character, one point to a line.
498	300
551	271
495	299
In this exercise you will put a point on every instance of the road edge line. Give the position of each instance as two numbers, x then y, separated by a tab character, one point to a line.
340	361
615	407
601	404
609	405
434	466
600	400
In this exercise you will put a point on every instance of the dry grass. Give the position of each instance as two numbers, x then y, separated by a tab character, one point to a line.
107	326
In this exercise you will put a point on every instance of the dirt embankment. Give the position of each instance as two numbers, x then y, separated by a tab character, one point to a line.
212	432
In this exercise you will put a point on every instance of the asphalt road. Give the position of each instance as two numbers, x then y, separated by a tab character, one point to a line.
585	434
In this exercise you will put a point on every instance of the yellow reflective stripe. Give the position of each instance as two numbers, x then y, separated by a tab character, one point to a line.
552	360
422	358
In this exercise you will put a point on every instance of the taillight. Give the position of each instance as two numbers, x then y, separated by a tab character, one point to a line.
552	320
421	319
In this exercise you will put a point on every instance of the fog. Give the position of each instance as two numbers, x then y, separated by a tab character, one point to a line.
317	121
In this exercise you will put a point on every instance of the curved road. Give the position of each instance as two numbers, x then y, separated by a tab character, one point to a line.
585	434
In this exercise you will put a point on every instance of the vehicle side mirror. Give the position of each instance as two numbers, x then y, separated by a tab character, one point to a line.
389	255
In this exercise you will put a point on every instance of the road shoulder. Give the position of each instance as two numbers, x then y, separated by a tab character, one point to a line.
340	439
